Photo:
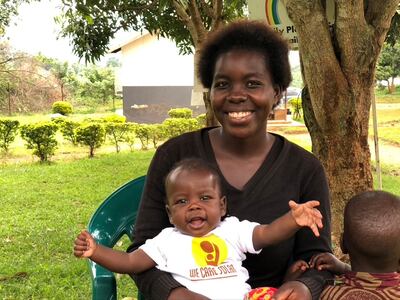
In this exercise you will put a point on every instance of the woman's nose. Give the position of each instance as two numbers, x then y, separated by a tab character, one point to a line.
237	94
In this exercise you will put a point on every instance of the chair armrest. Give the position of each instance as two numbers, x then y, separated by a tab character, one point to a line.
103	283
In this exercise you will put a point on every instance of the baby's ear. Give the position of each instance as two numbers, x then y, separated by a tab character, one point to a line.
223	206
168	213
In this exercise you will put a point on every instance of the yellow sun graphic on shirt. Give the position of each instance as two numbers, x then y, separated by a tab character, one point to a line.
209	250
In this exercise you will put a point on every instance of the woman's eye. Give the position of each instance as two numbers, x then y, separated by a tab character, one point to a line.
253	84
220	84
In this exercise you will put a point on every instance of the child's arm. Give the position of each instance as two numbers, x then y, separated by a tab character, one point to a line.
114	260
295	270
284	227
327	261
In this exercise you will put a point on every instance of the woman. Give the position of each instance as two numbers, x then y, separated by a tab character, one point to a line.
245	65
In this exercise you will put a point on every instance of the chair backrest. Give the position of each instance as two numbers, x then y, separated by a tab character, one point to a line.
117	214
115	217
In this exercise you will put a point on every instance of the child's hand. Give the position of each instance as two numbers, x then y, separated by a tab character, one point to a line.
327	261
307	215
295	270
84	245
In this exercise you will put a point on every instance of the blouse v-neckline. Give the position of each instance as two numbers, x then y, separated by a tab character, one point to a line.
268	166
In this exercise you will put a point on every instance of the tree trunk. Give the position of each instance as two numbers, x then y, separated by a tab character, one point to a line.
338	66
391	86
9	98
202	95
62	91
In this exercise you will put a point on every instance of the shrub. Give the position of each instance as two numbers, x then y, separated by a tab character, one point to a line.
143	133
202	119
41	138
90	134
295	105
116	132
68	130
177	126
185	113
62	107
157	133
8	132
130	135
115	119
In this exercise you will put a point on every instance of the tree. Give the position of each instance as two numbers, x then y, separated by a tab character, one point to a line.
98	83
338	67
9	8
91	24
24	84
59	69
389	65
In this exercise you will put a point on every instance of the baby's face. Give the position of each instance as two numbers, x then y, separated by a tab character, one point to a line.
195	205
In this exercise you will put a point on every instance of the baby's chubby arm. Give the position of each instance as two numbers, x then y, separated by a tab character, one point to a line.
327	261
116	261
300	215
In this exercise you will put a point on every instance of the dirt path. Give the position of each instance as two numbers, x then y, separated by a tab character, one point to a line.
388	154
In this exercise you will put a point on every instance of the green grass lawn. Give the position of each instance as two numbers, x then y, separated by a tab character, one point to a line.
382	95
42	209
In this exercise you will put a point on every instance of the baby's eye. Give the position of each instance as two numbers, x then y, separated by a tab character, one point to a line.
181	201
205	198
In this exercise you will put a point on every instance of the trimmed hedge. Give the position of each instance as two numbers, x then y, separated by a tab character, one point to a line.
8	132
41	138
62	107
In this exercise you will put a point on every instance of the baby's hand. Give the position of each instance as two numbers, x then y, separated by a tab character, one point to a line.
84	245
307	215
295	270
327	261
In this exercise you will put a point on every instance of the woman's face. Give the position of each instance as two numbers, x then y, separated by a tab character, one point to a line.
242	93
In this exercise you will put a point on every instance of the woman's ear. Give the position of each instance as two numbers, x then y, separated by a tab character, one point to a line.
278	95
343	245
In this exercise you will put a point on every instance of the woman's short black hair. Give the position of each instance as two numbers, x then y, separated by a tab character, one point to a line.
246	35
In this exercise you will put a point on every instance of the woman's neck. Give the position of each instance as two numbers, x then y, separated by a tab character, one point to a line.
245	147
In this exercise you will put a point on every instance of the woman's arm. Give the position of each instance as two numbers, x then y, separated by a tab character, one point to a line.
306	245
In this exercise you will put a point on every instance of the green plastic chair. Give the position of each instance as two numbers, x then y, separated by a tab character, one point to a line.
115	217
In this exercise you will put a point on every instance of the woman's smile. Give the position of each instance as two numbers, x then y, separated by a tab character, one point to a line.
243	93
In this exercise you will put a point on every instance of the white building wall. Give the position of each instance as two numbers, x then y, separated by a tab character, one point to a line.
148	61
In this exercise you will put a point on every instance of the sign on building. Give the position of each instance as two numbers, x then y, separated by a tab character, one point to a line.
274	12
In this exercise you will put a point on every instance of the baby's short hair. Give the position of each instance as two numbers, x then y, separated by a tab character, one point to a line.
372	225
195	164
246	35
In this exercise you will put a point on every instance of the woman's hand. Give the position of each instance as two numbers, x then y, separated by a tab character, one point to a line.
183	293
292	290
